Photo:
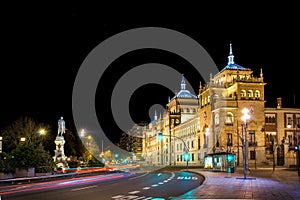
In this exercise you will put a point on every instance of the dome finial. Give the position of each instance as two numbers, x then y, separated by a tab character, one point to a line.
231	56
182	83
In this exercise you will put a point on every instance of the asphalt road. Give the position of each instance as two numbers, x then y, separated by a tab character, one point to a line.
159	185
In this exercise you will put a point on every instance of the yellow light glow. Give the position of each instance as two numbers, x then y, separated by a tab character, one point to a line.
42	131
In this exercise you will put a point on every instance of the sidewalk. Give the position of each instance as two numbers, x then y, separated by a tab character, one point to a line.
262	183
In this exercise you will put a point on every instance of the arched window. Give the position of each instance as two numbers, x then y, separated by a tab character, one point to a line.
205	100
266	119
243	93
194	110
257	94
229	118
250	93
187	110
181	110
217	120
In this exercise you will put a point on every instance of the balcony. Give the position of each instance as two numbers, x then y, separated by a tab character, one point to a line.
252	144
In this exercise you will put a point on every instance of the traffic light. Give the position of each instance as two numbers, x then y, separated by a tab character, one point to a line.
160	136
186	156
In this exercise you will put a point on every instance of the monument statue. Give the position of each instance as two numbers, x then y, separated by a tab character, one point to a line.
60	158
61	127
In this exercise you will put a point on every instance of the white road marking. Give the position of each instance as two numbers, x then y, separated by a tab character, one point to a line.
118	196
160	183
83	188
154	185
133	192
131	197
146	188
140	198
139	176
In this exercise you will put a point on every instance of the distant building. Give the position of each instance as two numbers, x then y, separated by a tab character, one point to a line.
211	122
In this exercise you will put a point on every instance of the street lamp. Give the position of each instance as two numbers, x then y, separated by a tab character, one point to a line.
245	119
186	154
296	145
0	144
274	146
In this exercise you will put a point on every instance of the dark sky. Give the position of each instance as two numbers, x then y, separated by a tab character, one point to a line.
42	52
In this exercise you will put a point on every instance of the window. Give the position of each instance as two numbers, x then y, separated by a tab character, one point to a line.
217	120
252	138
192	144
177	147
193	158
208	99
199	143
229	118
204	115
243	93
257	94
252	155
187	110
250	93
205	140
229	139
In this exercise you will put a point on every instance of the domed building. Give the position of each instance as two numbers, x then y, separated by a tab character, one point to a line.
228	116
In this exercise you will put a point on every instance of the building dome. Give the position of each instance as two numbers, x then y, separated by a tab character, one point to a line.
184	93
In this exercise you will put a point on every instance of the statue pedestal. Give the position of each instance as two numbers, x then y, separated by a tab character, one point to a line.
60	158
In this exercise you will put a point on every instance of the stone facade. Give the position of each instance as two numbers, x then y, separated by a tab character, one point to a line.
211	122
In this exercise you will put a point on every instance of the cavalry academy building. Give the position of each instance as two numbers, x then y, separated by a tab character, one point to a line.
211	122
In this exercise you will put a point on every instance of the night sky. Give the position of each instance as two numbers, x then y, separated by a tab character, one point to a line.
42	52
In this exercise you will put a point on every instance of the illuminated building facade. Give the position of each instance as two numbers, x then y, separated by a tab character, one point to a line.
211	122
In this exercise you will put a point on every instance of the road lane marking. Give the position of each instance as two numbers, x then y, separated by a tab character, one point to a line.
117	197
146	188
133	192
131	197
160	183
138	176
84	188
140	198
154	185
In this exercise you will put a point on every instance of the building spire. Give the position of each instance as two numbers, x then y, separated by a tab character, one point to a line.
155	115
261	75
183	85
231	56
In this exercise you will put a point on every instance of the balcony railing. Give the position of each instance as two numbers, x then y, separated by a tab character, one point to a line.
252	144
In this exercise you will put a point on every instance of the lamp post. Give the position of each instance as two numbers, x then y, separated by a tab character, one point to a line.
245	119
274	146
296	146
186	155
0	144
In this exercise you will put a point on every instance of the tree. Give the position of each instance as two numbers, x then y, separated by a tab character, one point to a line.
23	127
28	153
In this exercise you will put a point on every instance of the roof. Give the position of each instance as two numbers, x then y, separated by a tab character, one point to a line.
184	93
